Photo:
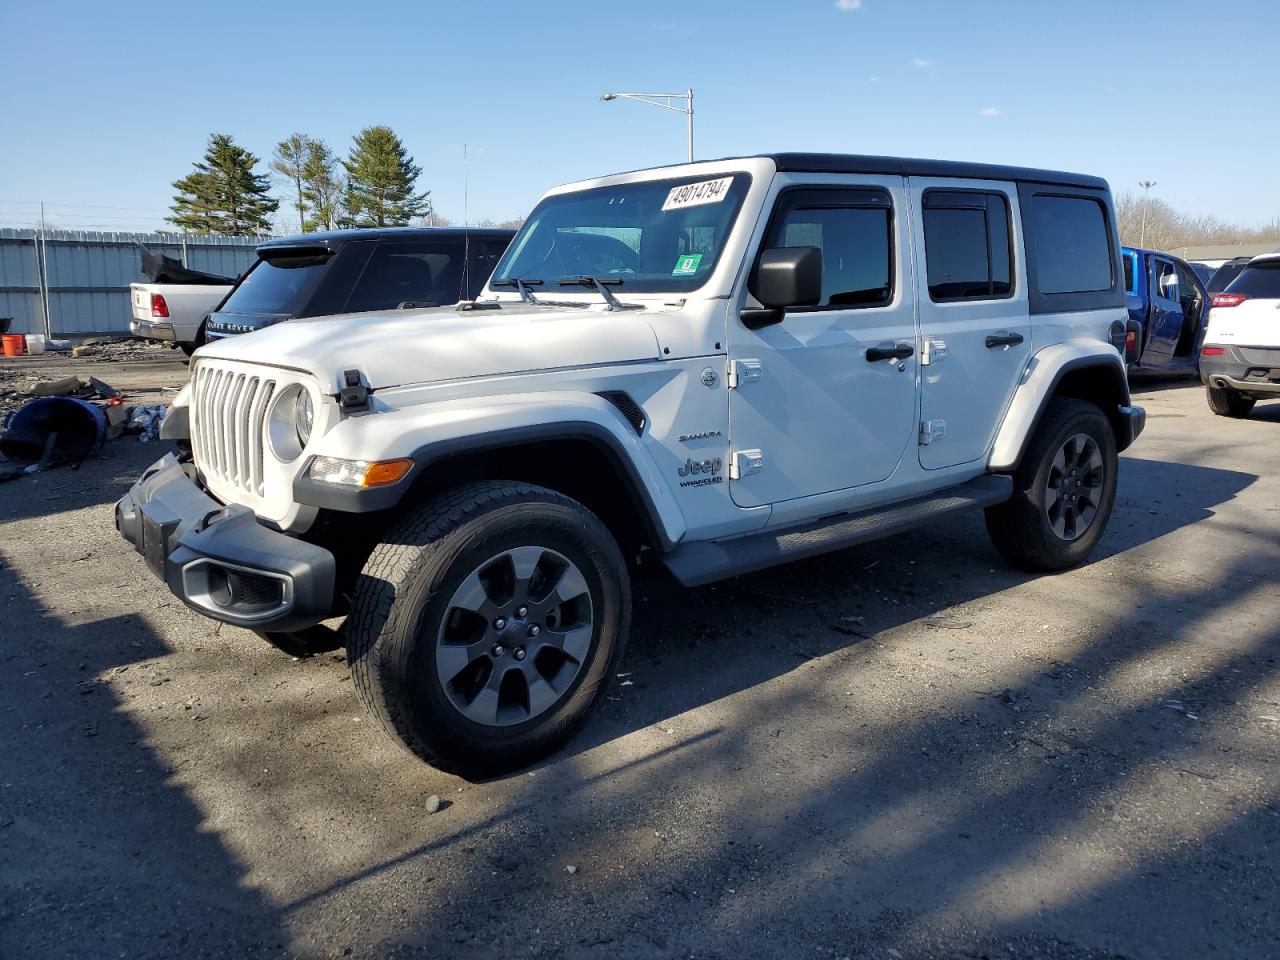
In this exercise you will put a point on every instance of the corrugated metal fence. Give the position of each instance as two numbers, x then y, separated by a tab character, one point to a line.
75	283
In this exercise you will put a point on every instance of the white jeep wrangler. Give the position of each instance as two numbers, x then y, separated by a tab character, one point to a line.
716	366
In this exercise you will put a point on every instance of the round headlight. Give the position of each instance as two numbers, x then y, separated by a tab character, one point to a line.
304	417
289	422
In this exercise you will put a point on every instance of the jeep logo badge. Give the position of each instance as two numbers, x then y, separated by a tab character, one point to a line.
692	467
710	378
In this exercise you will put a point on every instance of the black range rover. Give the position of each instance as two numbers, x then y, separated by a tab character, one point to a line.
355	271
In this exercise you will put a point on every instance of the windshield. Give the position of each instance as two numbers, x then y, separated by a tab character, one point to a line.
662	235
276	286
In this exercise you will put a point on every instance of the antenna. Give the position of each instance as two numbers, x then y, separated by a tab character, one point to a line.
466	225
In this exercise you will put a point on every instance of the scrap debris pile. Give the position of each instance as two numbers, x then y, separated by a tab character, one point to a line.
46	423
117	349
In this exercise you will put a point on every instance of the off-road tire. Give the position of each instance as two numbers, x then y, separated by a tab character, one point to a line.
1020	527
403	595
304	643
1226	402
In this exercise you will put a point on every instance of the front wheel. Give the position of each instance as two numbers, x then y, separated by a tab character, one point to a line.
484	629
1063	490
1225	402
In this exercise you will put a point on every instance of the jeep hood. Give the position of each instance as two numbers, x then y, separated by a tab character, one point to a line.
422	346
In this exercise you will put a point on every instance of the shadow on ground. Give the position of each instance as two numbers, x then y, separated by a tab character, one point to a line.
806	761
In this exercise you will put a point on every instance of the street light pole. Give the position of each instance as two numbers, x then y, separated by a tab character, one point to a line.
1146	186
666	101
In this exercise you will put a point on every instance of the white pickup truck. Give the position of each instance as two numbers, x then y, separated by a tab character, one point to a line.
175	301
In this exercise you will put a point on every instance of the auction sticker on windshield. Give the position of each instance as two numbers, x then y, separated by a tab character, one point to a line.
687	265
697	194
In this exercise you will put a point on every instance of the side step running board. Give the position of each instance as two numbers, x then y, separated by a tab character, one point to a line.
702	562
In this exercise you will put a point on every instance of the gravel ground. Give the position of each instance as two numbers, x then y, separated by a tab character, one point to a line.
901	750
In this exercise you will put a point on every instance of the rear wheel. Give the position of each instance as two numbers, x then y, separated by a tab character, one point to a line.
1226	402
1064	490
484	629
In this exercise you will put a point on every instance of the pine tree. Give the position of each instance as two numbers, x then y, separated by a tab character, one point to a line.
380	181
223	194
289	162
322	187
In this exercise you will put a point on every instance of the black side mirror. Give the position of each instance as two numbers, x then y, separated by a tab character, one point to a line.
786	277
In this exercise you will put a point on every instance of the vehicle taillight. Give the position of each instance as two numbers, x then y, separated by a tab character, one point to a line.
1213	351
158	307
1131	342
1228	299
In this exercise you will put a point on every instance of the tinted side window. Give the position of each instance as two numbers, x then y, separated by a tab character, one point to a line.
1223	276
967	245
1260	280
1129	263
854	231
1164	279
1071	247
422	272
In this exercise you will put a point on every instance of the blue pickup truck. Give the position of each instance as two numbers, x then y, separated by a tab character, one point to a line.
1168	310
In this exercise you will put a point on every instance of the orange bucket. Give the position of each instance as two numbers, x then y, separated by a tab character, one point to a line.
15	345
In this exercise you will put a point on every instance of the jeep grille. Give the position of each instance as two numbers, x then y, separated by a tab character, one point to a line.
228	415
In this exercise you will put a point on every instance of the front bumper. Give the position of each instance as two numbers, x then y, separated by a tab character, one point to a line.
152	331
219	560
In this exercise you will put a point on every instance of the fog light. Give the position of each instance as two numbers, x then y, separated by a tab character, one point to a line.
358	473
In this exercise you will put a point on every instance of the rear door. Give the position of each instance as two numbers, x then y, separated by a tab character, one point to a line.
1166	312
974	324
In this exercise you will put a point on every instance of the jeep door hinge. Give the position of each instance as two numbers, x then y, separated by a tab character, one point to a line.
931	430
743	463
742	372
931	351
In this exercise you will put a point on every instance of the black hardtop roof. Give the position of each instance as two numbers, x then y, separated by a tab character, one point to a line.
338	237
914	167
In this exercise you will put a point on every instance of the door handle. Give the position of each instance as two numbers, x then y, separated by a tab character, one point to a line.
1003	339
890	351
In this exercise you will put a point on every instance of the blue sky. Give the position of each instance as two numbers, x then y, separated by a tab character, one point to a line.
108	103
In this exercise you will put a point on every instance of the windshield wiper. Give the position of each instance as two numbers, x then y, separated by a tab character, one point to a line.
522	286
611	302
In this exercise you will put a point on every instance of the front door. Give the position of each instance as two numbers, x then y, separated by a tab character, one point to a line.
826	399
974	327
1166	313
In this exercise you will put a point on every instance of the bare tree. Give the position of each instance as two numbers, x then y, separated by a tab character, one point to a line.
289	164
1168	229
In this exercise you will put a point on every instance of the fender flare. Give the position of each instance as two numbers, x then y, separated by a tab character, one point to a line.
1045	372
662	519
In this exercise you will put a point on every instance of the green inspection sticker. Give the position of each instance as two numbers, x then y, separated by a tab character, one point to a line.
687	265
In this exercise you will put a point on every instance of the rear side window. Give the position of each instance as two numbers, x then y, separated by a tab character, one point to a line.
966	240
1223	276
854	231
421	273
1259	280
1129	264
278	286
1072	250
